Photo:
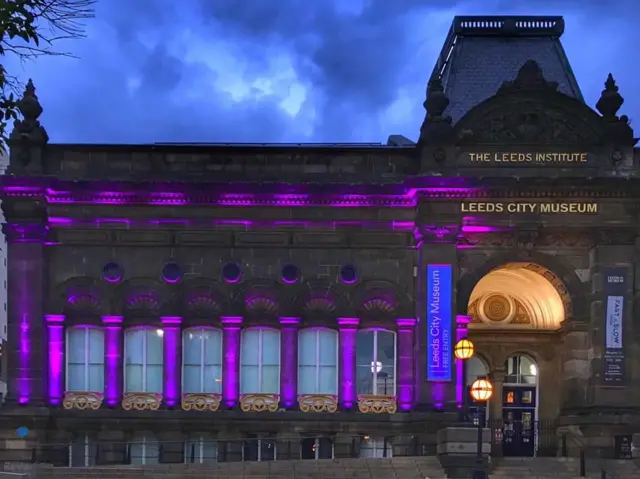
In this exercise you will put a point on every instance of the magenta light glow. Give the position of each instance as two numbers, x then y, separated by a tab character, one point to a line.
113	358
406	374
348	339
171	358
231	365
289	361
55	338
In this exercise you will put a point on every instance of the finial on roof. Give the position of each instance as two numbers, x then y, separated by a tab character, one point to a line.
610	100
436	102
29	128
529	77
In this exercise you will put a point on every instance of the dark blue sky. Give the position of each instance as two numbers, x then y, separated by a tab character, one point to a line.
290	70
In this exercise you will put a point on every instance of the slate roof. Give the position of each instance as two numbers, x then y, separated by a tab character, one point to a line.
480	53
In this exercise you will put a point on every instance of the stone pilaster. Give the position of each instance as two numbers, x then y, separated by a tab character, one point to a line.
438	247
26	234
56	358
406	363
289	361
615	395
347	356
113	360
576	368
231	361
172	359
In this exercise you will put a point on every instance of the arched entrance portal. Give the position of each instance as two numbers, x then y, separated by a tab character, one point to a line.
514	309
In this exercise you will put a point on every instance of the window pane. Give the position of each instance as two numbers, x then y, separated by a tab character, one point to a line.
212	346
270	347
328	380
76	378
154	379
386	357
270	380
133	380
134	346
364	377
96	346
249	379
249	349
96	378
212	379
364	361
154	347
191	379
307	347
76	349
191	347
328	347
307	380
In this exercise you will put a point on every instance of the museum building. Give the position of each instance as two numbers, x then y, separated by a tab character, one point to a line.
193	294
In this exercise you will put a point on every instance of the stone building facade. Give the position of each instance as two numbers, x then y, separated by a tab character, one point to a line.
178	292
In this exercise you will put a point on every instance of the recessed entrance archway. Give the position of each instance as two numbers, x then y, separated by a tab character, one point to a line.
519	296
515	310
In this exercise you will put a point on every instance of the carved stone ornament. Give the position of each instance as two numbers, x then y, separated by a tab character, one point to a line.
497	309
201	402
318	403
141	401
377	404
82	400
259	402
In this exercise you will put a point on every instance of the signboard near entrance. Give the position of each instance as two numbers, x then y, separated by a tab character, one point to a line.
439	291
615	288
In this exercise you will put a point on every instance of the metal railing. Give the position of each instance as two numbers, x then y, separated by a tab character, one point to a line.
87	452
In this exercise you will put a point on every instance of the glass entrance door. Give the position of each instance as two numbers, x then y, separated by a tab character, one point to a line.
519	421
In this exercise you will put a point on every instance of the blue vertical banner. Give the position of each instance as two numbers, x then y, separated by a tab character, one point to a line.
439	319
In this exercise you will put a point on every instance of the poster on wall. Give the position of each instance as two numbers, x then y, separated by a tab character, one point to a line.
615	288
439	352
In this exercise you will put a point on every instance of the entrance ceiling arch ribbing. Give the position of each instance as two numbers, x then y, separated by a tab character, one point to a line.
517	295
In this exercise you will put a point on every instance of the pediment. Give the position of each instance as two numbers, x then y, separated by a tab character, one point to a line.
530	110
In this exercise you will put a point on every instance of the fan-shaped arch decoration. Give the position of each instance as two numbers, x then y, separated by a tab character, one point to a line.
83	302
202	304
261	304
319	305
143	301
378	305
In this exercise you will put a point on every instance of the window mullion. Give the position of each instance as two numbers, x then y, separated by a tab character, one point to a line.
86	359
260	339
144	362
318	362
374	371
202	361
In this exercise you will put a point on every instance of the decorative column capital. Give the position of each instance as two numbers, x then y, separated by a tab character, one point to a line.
289	320
348	323
406	323
230	322
54	318
25	232
112	320
437	233
171	320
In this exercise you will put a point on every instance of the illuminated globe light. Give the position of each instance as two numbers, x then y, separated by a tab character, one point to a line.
481	390
464	349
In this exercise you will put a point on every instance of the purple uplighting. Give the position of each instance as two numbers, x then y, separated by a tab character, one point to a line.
231	361
171	357
55	337
113	357
348	337
406	375
289	361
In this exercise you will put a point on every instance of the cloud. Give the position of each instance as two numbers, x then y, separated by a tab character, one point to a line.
291	70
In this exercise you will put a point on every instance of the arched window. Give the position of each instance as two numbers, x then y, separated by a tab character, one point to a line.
143	361
475	369
521	370
85	359
201	360
260	361
376	362
318	361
